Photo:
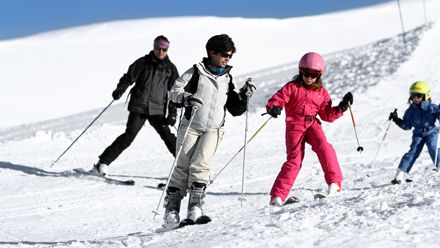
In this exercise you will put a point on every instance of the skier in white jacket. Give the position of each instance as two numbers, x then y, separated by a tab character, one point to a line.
205	91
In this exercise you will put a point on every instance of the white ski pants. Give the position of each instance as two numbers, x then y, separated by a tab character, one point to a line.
194	161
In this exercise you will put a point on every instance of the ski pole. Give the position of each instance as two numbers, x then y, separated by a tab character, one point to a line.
360	148
436	152
230	160
248	95
156	212
380	144
91	123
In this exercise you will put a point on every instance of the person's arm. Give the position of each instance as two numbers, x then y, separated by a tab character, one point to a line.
127	79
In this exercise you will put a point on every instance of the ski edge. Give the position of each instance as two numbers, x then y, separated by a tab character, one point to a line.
107	179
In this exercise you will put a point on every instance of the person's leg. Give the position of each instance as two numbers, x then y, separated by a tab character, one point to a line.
199	171
179	177
410	157
200	162
134	124
290	169
156	121
326	154
431	143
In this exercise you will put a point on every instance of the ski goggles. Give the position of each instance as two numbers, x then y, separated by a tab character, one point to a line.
226	55
416	95
161	49
310	74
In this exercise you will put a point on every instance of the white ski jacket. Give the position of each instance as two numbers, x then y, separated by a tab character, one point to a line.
217	92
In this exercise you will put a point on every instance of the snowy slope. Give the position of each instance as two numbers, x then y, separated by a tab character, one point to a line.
51	207
74	70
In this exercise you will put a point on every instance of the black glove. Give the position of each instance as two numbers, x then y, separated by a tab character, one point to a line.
394	117
171	120
117	93
274	111
346	100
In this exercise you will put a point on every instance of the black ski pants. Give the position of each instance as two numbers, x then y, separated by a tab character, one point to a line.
134	124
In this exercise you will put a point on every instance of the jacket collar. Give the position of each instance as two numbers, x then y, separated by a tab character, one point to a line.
216	71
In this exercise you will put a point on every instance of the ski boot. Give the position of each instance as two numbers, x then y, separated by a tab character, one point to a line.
400	176
172	208
195	203
334	188
276	201
99	169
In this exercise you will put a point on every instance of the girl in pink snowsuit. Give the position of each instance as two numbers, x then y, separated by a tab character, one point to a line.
303	99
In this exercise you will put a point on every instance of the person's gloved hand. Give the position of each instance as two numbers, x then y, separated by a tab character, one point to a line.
346	101
274	111
195	100
394	117
248	88
117	93
171	120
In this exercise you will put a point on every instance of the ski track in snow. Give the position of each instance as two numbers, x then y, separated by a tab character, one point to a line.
54	207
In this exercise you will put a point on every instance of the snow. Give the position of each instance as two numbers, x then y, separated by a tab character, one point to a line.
53	207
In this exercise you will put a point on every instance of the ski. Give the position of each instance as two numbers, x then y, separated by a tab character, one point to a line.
200	221
161	186
294	199
106	179
186	222
395	182
291	200
319	196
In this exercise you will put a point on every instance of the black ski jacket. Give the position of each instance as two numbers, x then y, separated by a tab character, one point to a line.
153	79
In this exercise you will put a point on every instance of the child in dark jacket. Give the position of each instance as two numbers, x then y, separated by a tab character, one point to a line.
420	115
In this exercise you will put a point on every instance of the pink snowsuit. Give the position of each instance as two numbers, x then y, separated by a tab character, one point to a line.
301	106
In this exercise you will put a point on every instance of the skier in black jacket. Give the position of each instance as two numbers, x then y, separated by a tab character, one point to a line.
153	76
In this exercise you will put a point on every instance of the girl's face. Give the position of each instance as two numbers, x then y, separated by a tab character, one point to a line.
417	98
310	77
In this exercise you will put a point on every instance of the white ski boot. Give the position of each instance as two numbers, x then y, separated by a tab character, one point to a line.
196	201
99	169
172	208
276	202
400	177
334	188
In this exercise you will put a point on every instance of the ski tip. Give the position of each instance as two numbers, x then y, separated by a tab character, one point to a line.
161	185
292	199
203	219
319	196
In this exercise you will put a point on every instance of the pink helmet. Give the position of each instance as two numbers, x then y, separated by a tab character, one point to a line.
312	61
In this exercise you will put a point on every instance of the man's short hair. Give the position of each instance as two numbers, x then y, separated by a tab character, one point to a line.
221	43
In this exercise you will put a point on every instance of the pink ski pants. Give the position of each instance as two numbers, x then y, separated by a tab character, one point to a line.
296	137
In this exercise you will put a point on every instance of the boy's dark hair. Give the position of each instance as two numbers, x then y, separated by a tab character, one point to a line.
161	37
221	43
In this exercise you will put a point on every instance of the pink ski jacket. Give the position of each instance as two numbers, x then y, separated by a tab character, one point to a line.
301	103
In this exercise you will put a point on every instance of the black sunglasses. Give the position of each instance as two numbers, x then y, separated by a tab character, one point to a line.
226	55
161	49
417	95
310	74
